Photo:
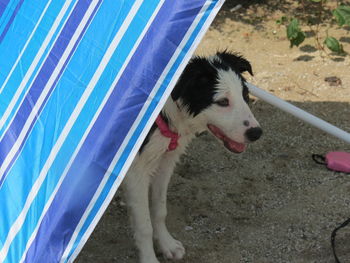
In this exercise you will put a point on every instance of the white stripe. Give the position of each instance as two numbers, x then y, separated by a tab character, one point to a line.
88	209
19	221
34	64
25	46
47	206
147	127
43	95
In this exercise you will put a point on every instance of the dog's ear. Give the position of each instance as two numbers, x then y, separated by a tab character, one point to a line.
178	90
236	62
196	86
198	72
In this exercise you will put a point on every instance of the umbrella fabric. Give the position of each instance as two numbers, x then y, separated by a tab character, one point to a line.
81	82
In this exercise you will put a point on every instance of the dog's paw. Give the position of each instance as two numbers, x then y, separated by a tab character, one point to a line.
171	248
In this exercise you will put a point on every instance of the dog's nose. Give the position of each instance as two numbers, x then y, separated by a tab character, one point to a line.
253	133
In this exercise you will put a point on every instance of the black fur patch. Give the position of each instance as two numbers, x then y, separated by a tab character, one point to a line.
245	93
236	62
196	86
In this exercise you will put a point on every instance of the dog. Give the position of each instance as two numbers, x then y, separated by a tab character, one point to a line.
211	94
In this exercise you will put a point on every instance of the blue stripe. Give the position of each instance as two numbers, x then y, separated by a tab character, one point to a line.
45	73
120	164
117	116
118	58
11	20
40	143
18	245
11	216
20	32
7	13
123	50
3	5
21	29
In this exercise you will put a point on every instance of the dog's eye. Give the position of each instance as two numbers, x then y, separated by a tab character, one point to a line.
223	102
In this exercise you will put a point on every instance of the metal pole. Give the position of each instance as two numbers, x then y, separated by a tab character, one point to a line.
299	113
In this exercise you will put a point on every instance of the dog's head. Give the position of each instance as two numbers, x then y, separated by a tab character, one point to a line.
213	91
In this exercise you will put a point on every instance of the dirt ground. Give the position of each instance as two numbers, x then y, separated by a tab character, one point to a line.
271	203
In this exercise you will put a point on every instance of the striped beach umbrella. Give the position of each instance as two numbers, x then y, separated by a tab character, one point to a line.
81	82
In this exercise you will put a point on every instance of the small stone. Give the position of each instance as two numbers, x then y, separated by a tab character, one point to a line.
237	7
188	228
333	81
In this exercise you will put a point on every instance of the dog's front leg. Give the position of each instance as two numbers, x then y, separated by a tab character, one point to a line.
137	188
170	247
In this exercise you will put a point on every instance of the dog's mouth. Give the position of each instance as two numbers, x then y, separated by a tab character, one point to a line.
230	144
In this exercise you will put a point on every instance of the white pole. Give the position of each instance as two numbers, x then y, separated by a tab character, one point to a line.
299	113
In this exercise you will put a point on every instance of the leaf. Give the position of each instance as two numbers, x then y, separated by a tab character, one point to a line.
293	29
299	39
316	1
284	19
342	15
333	44
340	19
294	33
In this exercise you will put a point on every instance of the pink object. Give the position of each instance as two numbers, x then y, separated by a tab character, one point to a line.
230	144
338	161
165	131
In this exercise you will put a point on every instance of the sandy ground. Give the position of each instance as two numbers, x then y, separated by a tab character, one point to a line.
271	203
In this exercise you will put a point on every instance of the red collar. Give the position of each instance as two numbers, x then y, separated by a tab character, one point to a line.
165	131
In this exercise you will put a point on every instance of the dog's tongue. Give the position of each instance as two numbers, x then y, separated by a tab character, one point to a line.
230	144
234	146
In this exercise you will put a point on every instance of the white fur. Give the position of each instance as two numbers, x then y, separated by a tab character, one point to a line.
153	167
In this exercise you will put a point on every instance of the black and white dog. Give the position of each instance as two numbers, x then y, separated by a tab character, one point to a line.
210	95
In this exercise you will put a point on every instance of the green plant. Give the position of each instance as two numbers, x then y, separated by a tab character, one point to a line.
296	35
